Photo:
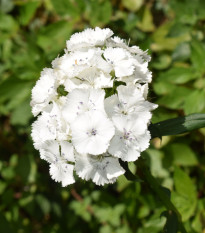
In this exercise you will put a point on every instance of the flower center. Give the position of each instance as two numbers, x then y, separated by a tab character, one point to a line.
127	135
93	132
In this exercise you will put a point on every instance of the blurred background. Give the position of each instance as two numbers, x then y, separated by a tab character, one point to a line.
32	34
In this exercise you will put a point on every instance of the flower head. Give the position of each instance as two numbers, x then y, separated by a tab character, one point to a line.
92	108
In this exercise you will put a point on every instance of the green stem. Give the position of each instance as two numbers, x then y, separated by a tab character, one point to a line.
157	189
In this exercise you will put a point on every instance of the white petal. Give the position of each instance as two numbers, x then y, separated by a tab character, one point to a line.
113	168
67	151
96	78
124	68
62	172
111	103
50	151
121	60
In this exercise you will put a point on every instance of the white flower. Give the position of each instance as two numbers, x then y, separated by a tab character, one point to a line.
73	63
96	78
49	126
88	38
85	69
87	121
62	172
140	75
82	100
58	155
118	42
102	169
44	91
131	138
129	103
43	129
121	60
90	77
91	132
57	121
55	152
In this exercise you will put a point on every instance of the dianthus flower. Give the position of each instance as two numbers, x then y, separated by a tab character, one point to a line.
92	108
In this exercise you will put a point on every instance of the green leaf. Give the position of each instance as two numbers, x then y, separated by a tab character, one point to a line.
161	40
27	11
14	92
162	62
198	55
171	225
176	98
182	52
185	11
53	37
128	174
8	173
156	166
185	197
99	12
8	27
61	90
81	208
6	5
132	5
110	214
22	114
163	87
5	225
66	8
177	125
182	154
178	75
183	184
27	168
43	203
195	102
146	25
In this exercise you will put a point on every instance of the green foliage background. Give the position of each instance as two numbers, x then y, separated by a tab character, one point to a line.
32	33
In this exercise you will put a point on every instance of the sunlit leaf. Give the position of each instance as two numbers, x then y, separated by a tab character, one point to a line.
185	197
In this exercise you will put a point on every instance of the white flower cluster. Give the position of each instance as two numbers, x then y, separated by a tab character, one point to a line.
92	108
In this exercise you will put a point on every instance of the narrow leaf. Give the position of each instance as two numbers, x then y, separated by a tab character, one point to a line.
128	174
177	125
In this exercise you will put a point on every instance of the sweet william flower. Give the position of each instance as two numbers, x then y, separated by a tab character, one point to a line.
44	91
92	132
88	38
131	138
59	156
80	101
92	108
121	61
43	129
102	169
130	103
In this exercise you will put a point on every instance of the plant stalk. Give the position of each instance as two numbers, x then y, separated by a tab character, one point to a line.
157	190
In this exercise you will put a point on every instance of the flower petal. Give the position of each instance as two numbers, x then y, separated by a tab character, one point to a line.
62	172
